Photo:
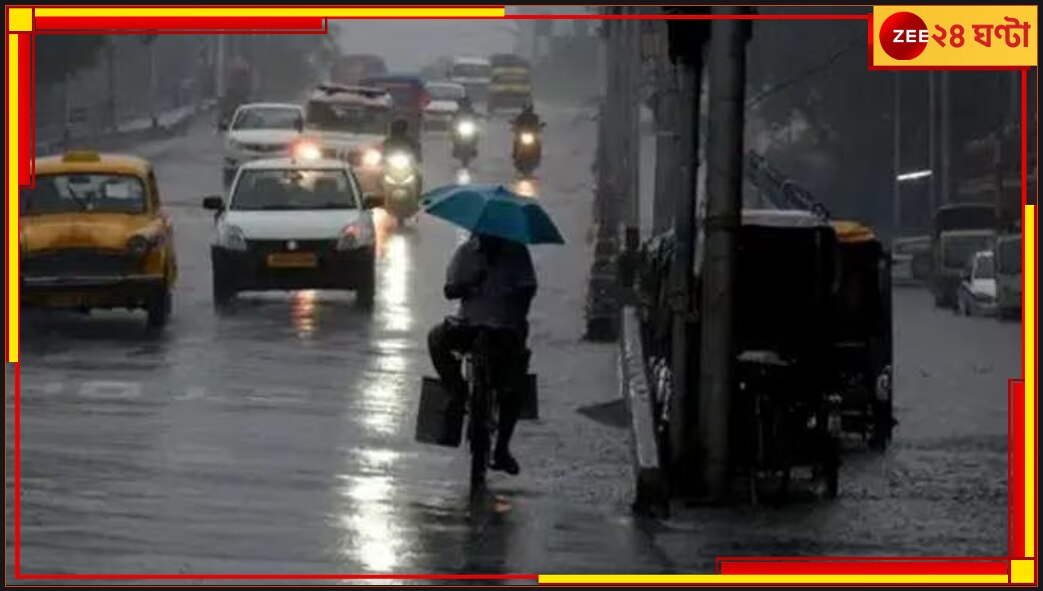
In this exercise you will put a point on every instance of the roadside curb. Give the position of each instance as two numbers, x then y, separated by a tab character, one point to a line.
650	485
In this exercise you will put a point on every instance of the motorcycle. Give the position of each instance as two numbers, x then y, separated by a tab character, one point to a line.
528	149
465	141
402	186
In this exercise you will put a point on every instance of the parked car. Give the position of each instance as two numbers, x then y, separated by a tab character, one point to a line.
977	291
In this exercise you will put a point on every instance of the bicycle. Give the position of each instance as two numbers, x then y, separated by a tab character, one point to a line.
482	407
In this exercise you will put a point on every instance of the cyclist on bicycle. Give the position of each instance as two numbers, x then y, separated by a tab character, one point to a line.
495	281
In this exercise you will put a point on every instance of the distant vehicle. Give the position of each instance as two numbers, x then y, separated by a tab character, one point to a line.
959	230
910	260
511	82
409	97
474	73
260	130
977	293
1009	279
293	223
349	123
445	102
94	235
352	69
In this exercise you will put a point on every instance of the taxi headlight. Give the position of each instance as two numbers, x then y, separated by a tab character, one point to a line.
138	245
393	180
231	237
399	160
307	151
371	157
528	138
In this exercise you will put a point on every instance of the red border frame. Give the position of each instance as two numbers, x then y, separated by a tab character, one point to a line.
725	565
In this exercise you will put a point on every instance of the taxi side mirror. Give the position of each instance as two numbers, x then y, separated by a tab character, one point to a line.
299	125
966	274
222	125
213	203
371	201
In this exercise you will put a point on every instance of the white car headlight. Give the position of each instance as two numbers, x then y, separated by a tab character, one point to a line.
528	138
231	237
466	128
356	234
399	160
371	157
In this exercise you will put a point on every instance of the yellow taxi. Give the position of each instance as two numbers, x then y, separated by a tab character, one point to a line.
93	234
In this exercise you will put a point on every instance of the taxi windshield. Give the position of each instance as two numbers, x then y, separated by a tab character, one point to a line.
347	118
267	118
84	193
296	189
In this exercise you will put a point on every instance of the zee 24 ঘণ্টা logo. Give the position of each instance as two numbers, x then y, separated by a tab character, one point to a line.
904	35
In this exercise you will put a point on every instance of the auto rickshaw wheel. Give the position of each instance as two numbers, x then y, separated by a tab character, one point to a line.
158	308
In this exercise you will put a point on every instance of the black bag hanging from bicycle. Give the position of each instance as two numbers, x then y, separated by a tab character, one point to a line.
438	421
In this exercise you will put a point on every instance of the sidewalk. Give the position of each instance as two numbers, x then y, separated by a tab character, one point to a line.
169	123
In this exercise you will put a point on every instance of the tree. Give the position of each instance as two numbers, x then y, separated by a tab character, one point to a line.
58	56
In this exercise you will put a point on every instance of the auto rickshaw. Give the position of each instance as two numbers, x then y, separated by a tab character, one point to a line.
784	415
862	353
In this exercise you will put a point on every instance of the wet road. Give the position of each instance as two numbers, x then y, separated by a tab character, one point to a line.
277	438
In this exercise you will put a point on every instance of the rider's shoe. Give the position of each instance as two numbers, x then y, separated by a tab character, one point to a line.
505	462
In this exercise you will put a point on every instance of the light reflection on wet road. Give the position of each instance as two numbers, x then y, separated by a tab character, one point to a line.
277	437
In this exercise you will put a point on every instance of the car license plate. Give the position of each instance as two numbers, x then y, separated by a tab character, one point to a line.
292	260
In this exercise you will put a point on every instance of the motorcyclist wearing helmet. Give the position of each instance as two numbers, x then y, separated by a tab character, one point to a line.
527	119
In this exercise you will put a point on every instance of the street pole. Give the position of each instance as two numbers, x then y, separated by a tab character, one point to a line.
896	225
722	222
219	68
665	151
153	81
946	140
932	148
110	107
631	149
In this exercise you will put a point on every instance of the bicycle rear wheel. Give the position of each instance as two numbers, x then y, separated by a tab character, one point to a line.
478	426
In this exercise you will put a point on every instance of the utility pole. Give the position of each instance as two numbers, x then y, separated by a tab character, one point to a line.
687	39
946	141
666	144
631	99
722	222
896	116
219	68
932	144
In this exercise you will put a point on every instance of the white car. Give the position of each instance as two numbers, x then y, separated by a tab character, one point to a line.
260	130
293	223
977	293
1009	278
445	103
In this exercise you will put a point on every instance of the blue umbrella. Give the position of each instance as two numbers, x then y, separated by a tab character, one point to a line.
493	210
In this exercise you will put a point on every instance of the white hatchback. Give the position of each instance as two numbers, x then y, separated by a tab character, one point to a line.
293	223
258	131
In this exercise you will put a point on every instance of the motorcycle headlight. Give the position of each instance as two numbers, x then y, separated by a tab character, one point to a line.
231	237
391	180
399	161
466	128
528	138
355	234
371	157
138	245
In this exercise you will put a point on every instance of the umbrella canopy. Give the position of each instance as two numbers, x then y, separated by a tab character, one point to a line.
493	210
